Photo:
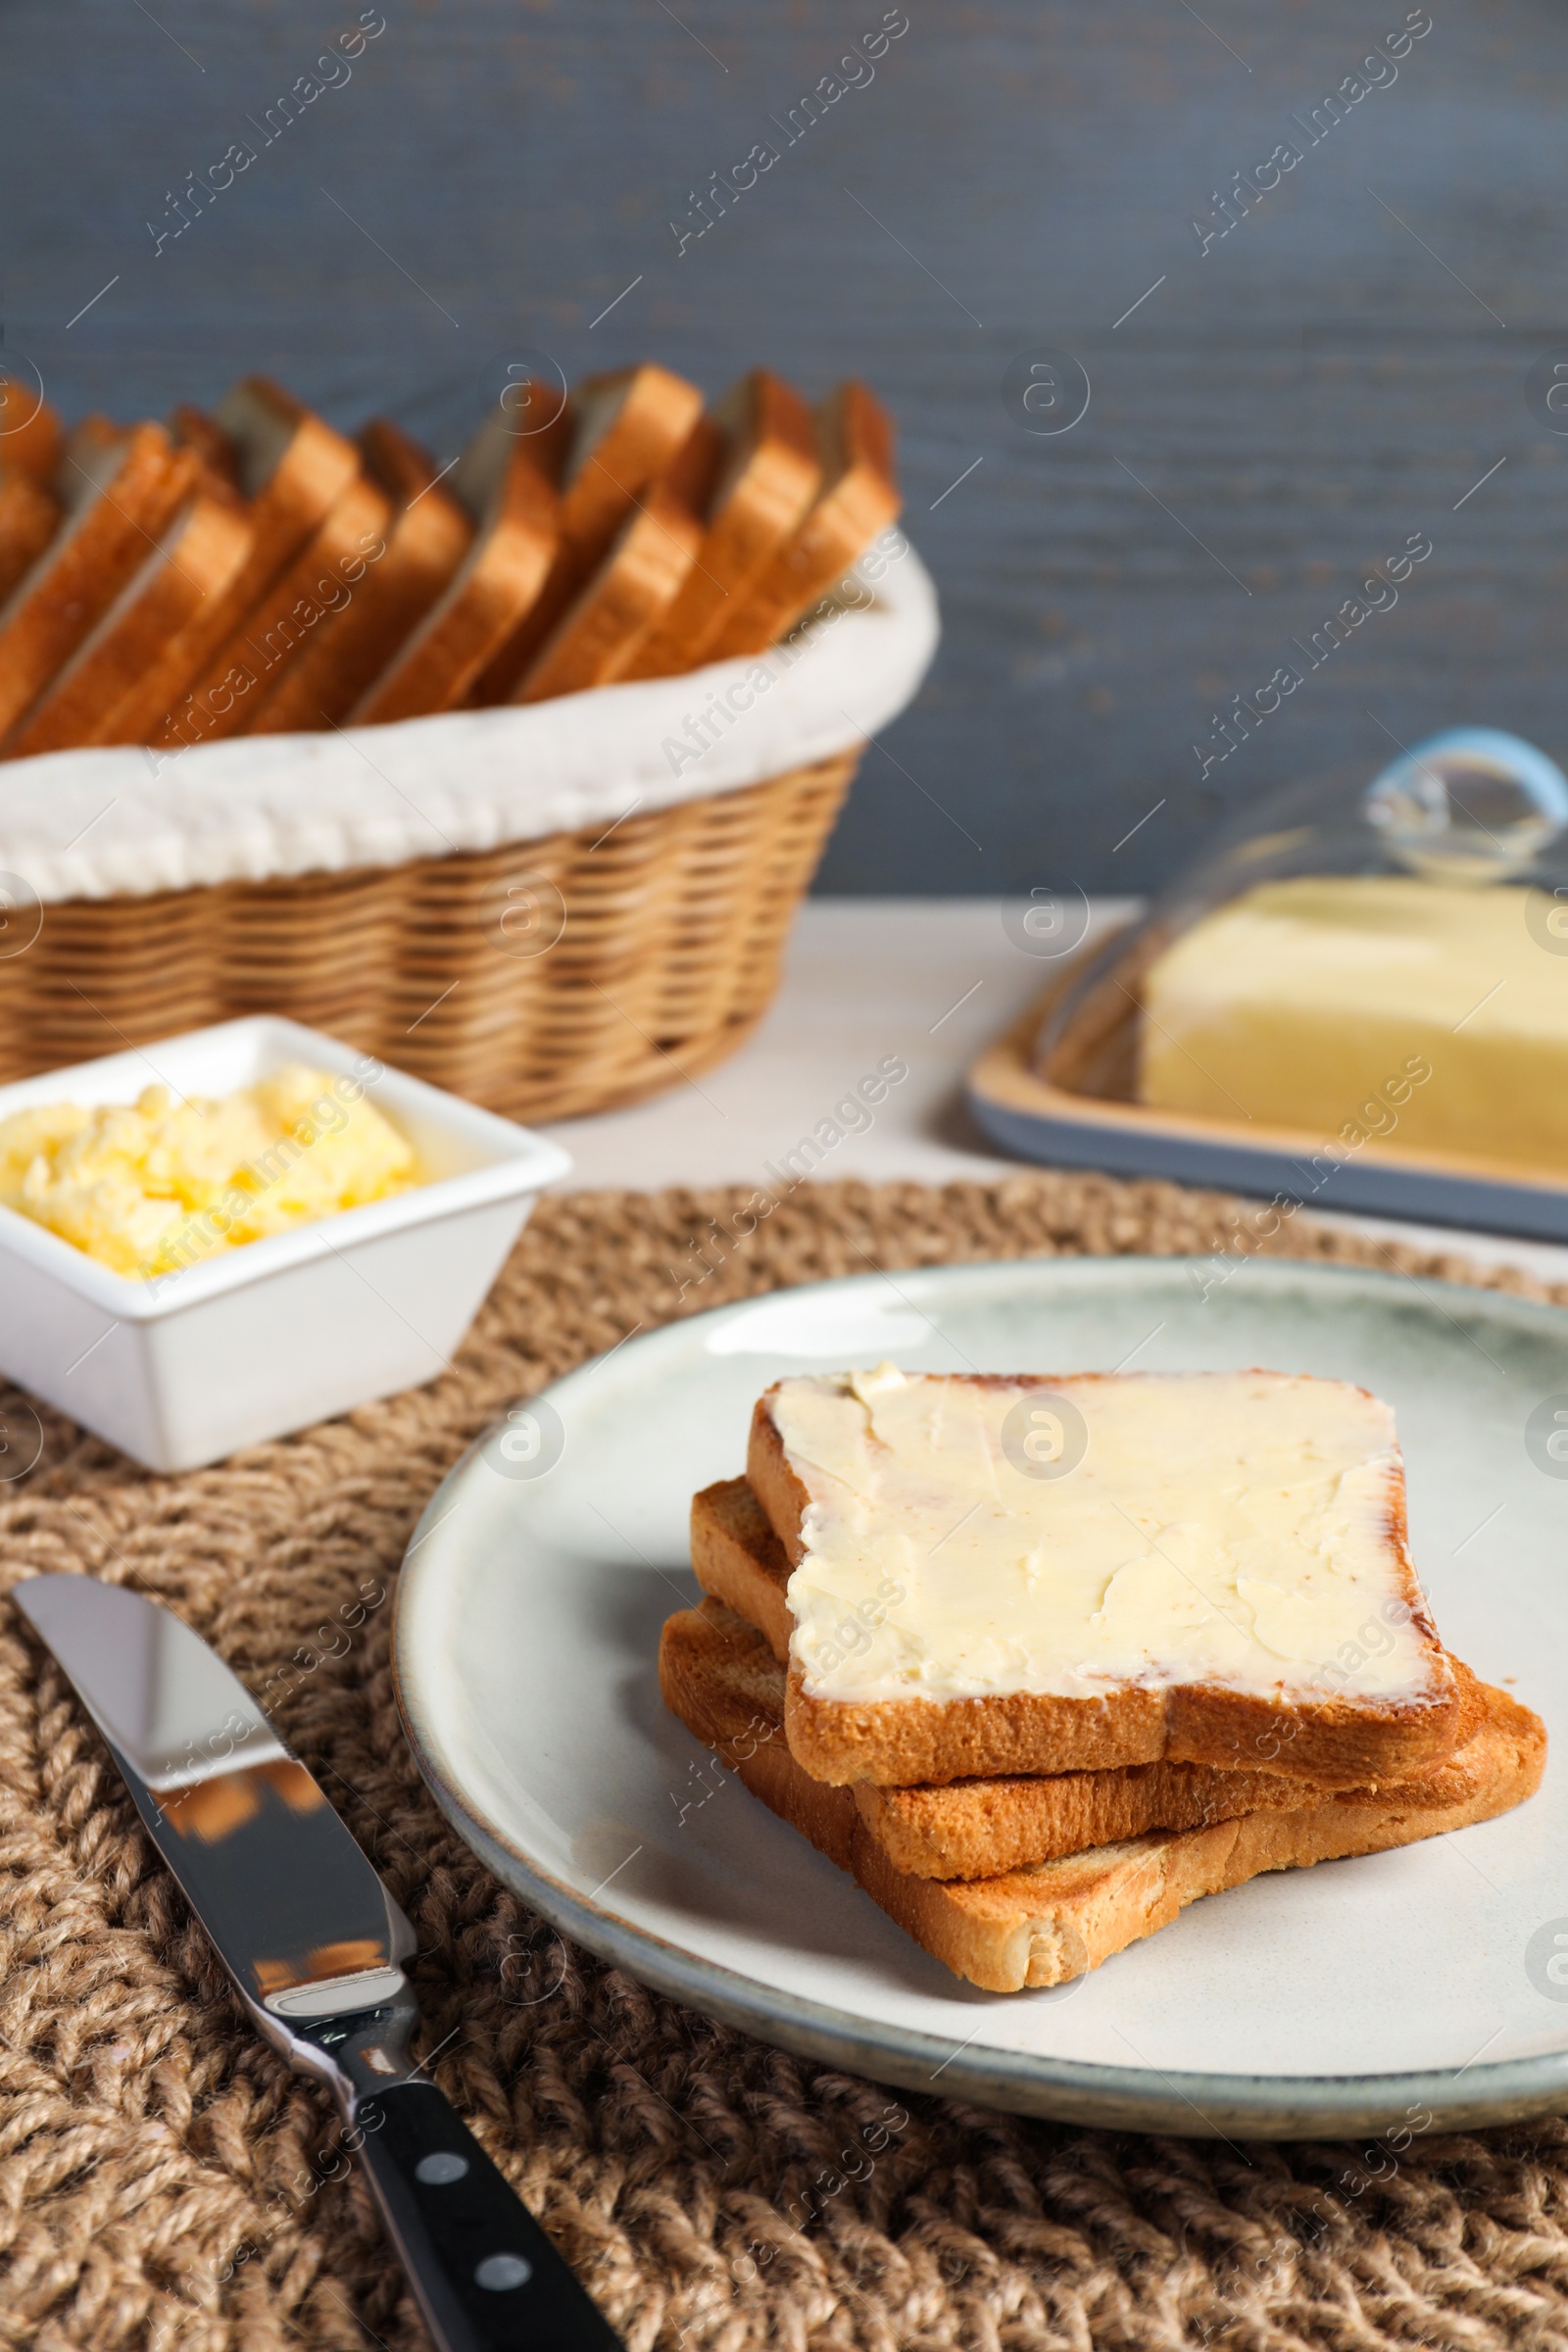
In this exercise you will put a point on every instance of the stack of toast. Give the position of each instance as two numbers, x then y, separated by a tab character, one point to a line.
254	571
1040	1661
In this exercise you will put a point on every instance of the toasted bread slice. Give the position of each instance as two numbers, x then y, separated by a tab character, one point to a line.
738	1559
428	538
119	491
976	1829
32	439
291	468
1001	1575
768	475
1042	1925
322	580
858	496
200	552
499	484
29	516
623	430
218	451
649	560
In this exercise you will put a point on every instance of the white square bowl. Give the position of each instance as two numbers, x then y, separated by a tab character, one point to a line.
257	1341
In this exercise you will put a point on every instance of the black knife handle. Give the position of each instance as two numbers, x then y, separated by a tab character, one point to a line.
486	2276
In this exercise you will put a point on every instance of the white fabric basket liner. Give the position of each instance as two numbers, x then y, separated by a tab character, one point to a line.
96	824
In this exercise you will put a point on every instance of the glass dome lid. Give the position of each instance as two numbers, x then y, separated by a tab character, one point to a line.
1440	828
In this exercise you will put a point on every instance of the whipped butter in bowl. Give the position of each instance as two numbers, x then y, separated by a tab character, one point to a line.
217	1239
150	1187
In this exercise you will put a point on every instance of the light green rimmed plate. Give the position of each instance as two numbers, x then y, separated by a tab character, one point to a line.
1361	1996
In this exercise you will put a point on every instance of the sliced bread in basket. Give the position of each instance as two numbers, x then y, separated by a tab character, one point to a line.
618	435
425	541
218	450
194	558
291	468
30	515
767	472
32	439
320	583
644	568
857	496
513	510
117	490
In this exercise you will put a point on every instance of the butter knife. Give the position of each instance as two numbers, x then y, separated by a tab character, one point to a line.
315	1945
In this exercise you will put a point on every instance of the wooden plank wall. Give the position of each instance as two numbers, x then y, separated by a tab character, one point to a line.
1297	398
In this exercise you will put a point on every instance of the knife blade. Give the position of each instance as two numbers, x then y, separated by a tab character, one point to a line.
316	1946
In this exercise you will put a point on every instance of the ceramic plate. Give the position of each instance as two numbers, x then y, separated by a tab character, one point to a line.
1365	1995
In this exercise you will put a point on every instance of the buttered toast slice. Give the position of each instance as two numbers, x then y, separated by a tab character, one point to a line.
976	1829
1045	1924
1067	1574
959	1829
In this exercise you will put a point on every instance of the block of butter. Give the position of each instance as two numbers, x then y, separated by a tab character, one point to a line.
1368	1010
999	1575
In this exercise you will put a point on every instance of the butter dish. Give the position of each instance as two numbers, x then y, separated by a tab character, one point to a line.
248	1344
1359	1002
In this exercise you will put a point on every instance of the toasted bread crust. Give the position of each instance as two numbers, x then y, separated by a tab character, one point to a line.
275	633
313	470
1042	1925
1334	1742
776	477
498	583
656	412
977	1828
214	541
737	1558
29	520
427	539
79	575
898	1743
727	1690
601	631
31	435
859	497
1040	1928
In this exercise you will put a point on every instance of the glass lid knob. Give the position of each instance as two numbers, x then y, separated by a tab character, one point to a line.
1472	805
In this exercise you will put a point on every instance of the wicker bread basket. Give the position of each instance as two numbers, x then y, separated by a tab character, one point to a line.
543	979
599	922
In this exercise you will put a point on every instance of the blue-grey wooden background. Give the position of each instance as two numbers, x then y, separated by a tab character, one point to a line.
1289	406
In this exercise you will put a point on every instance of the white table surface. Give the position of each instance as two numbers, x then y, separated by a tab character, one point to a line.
930	981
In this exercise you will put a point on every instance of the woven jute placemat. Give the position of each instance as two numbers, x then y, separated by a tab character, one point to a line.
165	2182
